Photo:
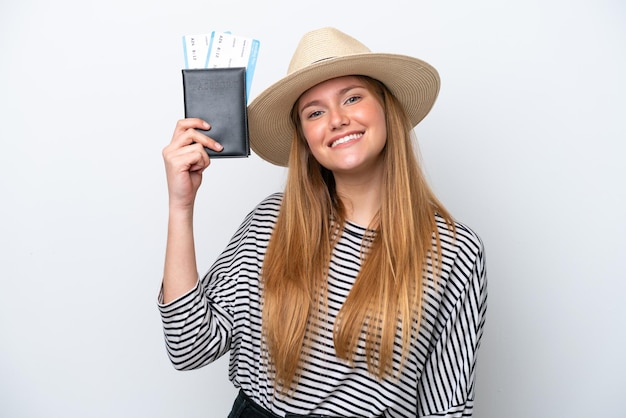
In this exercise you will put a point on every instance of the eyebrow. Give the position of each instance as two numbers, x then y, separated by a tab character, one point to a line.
339	93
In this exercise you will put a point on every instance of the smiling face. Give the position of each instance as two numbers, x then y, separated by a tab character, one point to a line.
343	122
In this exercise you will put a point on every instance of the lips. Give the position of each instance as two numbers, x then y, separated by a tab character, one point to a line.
345	139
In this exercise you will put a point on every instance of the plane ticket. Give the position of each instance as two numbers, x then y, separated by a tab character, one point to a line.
221	50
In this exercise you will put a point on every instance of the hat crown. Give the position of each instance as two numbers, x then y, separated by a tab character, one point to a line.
323	44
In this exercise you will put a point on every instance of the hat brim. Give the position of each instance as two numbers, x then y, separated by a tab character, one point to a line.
413	82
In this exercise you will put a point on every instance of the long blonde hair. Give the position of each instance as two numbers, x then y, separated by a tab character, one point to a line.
387	293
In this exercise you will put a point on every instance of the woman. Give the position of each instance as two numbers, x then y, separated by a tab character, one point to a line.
353	293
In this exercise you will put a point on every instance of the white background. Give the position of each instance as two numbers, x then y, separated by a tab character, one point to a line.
525	144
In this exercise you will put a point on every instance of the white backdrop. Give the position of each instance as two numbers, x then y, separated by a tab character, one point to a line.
525	144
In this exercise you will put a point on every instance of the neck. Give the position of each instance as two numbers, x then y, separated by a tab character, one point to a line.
361	197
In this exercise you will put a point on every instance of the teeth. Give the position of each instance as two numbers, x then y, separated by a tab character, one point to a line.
344	140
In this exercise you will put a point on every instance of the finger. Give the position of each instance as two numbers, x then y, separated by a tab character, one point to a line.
189	158
186	133
200	157
192	137
190	123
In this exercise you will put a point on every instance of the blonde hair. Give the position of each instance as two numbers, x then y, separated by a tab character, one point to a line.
387	293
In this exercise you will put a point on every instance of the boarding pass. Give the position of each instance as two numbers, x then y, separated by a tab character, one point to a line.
221	50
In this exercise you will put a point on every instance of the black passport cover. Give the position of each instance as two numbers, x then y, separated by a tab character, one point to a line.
218	96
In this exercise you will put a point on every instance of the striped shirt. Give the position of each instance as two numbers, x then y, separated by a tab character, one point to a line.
222	314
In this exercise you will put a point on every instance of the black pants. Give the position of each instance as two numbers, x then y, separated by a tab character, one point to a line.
244	407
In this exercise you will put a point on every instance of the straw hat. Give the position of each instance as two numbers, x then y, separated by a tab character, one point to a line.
327	53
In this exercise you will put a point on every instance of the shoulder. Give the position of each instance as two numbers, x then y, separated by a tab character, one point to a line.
265	212
463	266
460	239
269	205
259	222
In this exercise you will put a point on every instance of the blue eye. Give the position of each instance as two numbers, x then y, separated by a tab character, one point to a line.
314	114
353	99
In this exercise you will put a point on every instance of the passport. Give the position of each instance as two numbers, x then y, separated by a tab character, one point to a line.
218	96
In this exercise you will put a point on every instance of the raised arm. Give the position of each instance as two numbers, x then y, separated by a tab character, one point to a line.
185	161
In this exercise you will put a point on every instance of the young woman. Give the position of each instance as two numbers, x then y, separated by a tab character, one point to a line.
352	293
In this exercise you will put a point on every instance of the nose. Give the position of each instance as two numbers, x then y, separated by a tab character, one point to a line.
338	118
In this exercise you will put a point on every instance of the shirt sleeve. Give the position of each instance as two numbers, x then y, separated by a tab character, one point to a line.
198	325
196	330
446	388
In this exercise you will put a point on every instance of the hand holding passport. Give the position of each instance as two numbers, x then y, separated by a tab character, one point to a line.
216	80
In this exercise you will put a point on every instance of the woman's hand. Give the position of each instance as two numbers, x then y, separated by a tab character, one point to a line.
185	161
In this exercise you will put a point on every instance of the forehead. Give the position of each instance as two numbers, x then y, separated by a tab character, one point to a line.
332	85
